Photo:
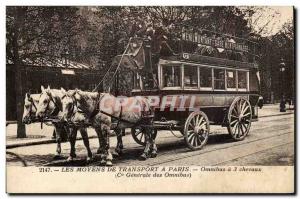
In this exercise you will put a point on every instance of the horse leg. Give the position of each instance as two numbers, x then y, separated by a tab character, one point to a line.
86	143
72	138
119	146
57	129
153	146
108	155
100	139
147	148
101	149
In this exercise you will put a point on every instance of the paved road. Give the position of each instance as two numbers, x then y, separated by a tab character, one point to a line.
270	142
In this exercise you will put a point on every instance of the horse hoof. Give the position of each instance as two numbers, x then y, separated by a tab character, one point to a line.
119	151
153	155
57	157
89	159
109	163
115	154
99	151
70	159
143	157
102	162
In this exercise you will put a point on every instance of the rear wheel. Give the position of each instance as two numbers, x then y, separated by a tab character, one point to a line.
239	118
196	130
139	136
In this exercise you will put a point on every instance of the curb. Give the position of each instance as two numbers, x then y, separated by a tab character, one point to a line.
48	141
275	115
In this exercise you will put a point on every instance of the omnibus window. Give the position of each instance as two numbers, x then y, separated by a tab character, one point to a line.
242	79
205	77
219	79
171	76
191	76
231	78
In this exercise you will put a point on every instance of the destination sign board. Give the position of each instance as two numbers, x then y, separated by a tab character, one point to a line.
225	43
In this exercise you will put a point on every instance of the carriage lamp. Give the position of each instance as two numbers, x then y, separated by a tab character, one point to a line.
282	100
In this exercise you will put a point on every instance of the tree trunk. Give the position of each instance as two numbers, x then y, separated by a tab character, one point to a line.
20	13
21	131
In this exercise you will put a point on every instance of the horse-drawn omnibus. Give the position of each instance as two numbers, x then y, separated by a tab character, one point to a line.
203	78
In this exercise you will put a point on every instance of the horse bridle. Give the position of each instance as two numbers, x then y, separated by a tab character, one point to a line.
31	115
74	103
56	109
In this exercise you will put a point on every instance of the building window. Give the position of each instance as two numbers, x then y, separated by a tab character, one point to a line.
191	76
205	77
242	80
219	79
231	79
171	76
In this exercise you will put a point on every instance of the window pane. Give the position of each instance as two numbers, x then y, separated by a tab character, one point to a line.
191	76
205	77
231	79
171	76
242	79
219	77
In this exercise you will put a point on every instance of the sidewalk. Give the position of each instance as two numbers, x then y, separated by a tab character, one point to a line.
37	135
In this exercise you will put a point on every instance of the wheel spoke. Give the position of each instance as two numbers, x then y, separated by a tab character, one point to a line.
243	106
142	136
239	107
247	114
194	121
234	128
190	137
242	130
197	120
233	122
235	111
245	109
191	125
137	133
200	121
238	128
246	127
195	143
201	136
234	116
204	123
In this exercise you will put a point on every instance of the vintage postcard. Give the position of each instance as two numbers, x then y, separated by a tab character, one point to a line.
150	99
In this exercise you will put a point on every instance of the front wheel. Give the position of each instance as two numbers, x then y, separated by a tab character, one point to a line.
196	130
139	136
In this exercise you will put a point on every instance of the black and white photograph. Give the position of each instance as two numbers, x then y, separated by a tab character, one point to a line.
154	93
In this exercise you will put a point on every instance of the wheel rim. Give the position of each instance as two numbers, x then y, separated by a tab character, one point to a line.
139	136
239	118
196	130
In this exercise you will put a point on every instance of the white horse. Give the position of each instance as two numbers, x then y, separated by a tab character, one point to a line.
49	107
99	109
29	116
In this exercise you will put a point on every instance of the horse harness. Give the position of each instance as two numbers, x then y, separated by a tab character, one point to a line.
56	109
97	110
32	105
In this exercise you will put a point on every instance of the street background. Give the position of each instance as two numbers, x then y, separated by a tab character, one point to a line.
270	142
